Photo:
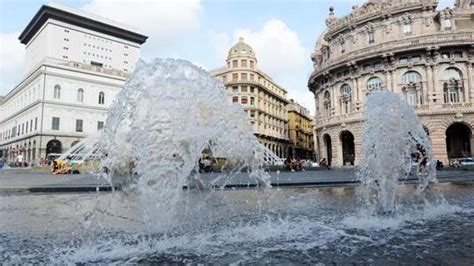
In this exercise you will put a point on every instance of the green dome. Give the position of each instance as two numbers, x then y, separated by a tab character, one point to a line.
241	49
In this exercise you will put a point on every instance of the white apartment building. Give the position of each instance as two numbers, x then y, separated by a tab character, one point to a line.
76	63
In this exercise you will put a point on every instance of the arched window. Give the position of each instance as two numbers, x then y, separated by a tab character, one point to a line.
57	91
80	95
346	91
452	85
412	87
411	77
327	103
374	83
451	74
101	97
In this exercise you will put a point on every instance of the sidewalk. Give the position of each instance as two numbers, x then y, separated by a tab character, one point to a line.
46	182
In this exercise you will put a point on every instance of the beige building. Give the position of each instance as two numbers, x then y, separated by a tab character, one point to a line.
263	100
300	131
405	46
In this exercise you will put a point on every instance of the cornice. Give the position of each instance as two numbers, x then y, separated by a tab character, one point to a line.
438	40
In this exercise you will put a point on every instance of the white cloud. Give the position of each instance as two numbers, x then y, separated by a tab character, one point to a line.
280	53
164	22
12	57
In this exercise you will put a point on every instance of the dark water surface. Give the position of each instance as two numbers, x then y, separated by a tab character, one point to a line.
243	226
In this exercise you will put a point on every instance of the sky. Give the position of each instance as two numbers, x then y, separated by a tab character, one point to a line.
282	32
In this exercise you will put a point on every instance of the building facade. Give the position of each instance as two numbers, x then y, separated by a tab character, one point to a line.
76	63
405	46
300	131
263	100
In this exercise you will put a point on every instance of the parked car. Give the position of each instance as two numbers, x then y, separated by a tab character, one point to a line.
459	162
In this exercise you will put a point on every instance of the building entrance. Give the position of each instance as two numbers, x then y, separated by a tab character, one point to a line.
328	144
348	148
458	141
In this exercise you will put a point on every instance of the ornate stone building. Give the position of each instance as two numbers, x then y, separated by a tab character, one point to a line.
300	131
406	46
263	100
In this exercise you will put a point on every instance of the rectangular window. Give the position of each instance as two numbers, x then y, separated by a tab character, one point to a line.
235	76
457	54
78	125
244	76
22	128
403	60
26	127
244	89
55	124
416	58
97	64
252	89
36	123
252	77
252	64
252	114
252	100
31	125
244	100
100	125
407	29
371	37
235	89
243	63
445	55
235	99
235	63
446	23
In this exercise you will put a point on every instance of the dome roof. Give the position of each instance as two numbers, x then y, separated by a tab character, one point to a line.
241	49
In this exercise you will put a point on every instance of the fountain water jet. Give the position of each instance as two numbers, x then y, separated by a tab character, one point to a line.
168	112
393	135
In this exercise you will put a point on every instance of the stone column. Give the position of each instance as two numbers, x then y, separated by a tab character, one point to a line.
336	149
357	131
356	87
427	85
388	82
336	103
438	138
469	89
392	80
436	88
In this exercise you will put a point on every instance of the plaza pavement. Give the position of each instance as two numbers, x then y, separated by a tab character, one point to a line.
28	181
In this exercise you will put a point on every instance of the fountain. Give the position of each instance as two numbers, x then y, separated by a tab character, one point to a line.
392	137
169	112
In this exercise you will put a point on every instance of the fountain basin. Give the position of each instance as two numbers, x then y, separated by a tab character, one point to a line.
303	225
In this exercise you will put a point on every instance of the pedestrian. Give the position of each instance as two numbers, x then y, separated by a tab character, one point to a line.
323	163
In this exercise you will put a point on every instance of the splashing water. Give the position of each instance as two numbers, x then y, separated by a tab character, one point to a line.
168	112
393	137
